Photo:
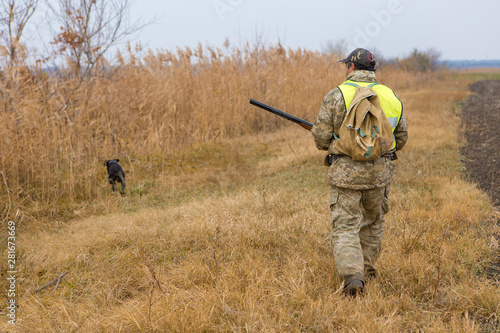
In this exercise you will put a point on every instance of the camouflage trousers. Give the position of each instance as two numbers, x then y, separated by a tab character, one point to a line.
357	218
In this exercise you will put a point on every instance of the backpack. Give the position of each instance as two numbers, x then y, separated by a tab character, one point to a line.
365	133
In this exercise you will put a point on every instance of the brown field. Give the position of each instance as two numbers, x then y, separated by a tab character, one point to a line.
225	223
481	70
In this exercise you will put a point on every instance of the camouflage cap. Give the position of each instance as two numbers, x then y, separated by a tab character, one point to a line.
362	57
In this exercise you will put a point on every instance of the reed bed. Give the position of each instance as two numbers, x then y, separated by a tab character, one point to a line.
57	130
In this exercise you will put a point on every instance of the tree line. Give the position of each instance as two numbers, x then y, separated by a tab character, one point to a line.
416	60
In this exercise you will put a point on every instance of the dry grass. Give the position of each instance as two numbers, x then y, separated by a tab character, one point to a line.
232	234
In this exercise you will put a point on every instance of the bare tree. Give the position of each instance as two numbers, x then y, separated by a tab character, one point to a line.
421	61
14	16
338	48
88	29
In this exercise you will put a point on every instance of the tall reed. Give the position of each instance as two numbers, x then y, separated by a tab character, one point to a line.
57	130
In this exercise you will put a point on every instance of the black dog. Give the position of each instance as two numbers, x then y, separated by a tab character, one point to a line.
115	173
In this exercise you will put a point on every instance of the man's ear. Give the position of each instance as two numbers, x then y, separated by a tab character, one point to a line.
106	162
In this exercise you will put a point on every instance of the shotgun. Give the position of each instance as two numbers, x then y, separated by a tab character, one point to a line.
308	126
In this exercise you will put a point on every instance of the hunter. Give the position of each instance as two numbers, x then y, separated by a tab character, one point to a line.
359	189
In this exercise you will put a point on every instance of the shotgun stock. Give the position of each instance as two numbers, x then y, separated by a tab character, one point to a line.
308	126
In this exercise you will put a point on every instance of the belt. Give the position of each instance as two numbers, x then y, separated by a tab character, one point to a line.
336	157
389	156
330	158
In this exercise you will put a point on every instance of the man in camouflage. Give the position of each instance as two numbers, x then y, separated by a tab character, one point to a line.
359	189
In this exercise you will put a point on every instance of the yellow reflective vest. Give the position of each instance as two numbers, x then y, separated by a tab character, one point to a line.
390	103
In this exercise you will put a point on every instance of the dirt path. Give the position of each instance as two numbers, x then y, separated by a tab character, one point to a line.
481	115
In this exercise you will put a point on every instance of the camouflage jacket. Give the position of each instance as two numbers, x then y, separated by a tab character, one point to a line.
344	172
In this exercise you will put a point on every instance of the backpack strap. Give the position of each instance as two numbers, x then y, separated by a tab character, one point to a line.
351	84
368	152
357	85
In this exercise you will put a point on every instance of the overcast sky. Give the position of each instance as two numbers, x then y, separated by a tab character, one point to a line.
459	29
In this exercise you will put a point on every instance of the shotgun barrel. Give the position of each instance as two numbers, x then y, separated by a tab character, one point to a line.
307	125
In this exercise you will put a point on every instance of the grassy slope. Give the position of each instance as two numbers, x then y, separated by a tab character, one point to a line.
236	237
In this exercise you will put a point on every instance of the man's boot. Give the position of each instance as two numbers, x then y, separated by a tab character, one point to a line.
353	286
370	272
